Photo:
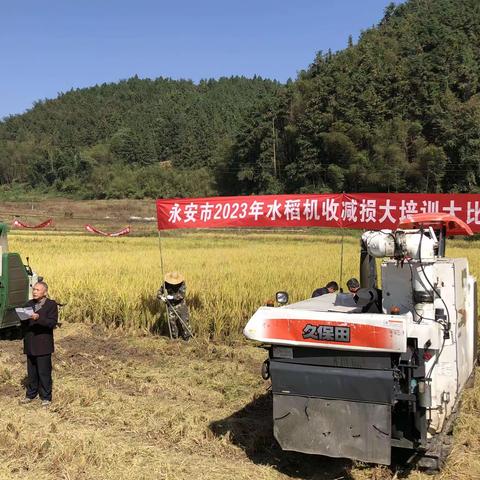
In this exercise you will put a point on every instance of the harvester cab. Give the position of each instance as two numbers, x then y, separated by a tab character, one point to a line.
16	282
355	375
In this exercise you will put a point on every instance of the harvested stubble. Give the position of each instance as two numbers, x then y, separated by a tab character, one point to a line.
133	406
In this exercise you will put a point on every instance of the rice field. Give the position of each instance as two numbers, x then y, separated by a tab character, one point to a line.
130	404
113	281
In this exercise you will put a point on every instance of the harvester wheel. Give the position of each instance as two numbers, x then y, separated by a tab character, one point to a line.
266	370
430	465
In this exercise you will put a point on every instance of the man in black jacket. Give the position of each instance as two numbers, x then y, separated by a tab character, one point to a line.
353	285
38	344
330	287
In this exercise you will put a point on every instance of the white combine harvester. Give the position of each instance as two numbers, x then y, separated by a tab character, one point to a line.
355	375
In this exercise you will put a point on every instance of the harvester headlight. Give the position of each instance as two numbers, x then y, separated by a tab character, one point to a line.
282	298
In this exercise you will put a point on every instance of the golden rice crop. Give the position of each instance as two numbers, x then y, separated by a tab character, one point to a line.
113	281
134	406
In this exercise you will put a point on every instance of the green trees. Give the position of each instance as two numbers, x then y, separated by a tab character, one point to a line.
398	111
114	140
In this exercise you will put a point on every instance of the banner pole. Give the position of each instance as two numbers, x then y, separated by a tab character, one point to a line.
341	246
341	259
163	283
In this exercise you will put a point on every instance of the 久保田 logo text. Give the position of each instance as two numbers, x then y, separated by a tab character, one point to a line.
326	332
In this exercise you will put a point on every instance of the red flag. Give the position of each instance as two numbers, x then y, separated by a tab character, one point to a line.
46	223
123	231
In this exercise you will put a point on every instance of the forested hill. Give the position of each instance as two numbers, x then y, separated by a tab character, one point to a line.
398	111
136	138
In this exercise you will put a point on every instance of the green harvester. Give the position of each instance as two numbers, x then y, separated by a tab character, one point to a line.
16	282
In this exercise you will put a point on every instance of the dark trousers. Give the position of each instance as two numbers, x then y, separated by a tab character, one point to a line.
177	326
39	369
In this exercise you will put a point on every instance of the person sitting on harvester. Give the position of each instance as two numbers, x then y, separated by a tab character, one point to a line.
172	292
330	287
353	285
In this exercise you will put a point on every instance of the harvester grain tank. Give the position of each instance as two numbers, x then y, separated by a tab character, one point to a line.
356	375
16	281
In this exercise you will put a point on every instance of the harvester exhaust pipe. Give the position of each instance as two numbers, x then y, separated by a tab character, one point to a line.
442	241
368	270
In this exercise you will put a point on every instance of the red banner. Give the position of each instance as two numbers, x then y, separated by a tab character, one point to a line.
359	210
384	210
251	211
123	231
46	223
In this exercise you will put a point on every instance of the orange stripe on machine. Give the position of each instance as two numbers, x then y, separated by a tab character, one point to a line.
380	333
328	333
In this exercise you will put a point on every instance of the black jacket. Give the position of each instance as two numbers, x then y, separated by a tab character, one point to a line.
38	334
319	292
176	291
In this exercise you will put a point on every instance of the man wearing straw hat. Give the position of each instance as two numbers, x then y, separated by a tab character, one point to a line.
172	292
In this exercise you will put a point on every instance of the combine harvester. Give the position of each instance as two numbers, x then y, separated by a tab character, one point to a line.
16	281
355	375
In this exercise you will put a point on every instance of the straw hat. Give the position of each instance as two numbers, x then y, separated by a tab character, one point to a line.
174	278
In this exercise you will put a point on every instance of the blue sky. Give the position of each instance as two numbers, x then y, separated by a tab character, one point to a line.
51	46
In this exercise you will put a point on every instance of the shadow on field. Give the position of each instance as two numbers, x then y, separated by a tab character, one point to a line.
251	428
11	333
151	304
